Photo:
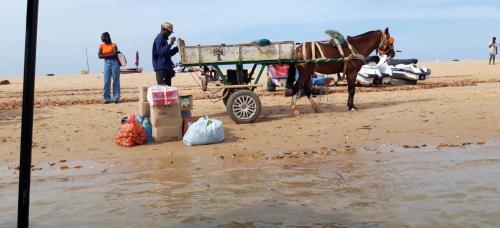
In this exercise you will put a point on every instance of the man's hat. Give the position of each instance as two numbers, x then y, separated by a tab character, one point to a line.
168	26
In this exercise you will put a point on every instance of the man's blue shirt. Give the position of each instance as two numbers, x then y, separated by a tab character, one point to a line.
162	54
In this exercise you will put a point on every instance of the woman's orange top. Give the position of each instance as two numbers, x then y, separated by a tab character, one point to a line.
107	48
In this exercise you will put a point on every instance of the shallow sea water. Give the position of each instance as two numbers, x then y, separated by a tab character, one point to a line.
388	186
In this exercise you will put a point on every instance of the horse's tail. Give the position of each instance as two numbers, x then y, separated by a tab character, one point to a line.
292	71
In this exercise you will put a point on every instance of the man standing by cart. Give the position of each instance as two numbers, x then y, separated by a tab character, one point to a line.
162	55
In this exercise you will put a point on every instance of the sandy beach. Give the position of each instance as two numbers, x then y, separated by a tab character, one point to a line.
459	102
416	129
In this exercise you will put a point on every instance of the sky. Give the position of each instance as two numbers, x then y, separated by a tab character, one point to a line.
424	29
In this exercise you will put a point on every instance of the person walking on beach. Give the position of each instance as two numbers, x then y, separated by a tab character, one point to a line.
109	52
162	55
493	50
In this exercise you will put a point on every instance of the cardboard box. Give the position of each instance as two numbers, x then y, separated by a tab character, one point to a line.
186	102
167	134
166	116
186	122
144	109
143	94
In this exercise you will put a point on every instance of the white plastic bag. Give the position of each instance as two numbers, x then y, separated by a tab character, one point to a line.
204	131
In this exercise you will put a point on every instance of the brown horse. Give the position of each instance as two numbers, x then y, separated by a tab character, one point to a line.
361	46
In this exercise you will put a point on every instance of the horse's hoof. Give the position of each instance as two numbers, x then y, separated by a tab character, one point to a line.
296	113
317	110
353	109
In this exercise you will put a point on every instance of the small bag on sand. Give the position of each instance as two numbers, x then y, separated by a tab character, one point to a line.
121	59
204	131
131	133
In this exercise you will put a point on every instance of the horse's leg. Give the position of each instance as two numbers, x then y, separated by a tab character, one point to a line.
350	100
308	92
295	110
351	88
291	76
295	94
296	89
314	105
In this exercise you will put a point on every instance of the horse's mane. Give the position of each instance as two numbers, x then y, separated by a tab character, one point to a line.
364	34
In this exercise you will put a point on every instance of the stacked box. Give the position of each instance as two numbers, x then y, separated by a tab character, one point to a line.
143	101
167	134
163	95
186	102
186	122
143	93
167	123
166	115
144	109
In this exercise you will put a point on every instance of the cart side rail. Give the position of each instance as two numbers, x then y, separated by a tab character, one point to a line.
276	52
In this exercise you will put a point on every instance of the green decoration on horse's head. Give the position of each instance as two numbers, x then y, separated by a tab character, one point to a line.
334	34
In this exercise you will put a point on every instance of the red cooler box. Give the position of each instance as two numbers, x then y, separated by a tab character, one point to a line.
163	95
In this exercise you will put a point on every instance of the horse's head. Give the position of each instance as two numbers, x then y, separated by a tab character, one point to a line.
386	46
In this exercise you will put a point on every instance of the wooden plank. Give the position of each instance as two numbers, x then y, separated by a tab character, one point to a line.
266	62
240	53
237	45
235	86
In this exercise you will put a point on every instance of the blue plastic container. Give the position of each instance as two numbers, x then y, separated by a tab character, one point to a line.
148	127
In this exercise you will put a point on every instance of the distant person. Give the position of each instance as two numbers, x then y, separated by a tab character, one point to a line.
109	52
162	55
493	50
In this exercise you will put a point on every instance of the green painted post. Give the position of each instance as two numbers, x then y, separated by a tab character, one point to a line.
259	75
219	71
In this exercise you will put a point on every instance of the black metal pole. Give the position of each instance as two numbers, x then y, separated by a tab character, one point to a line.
27	115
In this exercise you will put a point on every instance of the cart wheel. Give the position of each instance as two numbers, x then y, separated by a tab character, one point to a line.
243	106
229	92
204	84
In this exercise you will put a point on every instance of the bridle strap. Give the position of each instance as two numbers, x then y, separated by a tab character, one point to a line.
304	56
339	47
383	42
353	56
322	54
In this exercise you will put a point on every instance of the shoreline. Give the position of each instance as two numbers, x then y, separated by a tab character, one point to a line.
77	74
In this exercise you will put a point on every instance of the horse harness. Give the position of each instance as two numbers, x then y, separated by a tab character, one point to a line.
322	59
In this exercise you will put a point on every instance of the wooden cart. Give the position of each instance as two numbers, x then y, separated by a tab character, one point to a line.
238	85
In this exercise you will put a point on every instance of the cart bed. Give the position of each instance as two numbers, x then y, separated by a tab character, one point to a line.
250	53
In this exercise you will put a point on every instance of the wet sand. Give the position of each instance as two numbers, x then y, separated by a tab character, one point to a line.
333	168
386	186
